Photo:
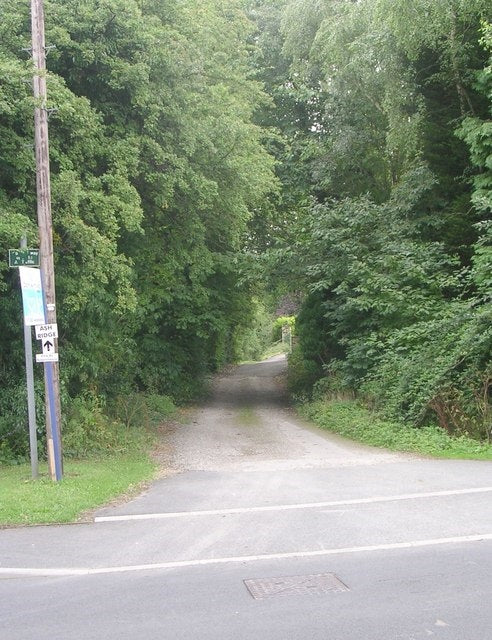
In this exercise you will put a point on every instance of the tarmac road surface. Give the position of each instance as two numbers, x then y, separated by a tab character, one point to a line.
264	527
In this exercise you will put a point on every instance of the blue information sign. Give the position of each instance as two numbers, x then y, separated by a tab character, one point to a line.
32	296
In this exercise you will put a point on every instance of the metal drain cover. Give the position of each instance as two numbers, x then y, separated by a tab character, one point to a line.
295	585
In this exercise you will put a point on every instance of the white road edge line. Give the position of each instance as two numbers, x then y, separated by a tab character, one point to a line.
27	572
287	507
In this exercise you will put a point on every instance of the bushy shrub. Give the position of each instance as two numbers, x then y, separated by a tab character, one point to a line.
14	424
144	410
438	369
332	387
88	430
352	420
395	317
302	374
252	341
93	426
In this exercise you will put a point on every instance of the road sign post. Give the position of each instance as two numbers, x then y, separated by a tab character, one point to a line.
31	402
33	302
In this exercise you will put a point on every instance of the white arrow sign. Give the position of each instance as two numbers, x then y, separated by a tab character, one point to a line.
48	346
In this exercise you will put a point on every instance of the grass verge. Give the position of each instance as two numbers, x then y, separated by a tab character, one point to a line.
275	350
107	455
86	485
350	419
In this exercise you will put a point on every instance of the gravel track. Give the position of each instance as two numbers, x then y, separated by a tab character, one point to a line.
247	425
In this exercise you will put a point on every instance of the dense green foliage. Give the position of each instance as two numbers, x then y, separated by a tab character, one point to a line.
352	420
337	149
386	106
157	165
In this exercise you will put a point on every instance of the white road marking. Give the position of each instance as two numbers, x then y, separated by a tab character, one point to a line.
441	623
287	507
56	572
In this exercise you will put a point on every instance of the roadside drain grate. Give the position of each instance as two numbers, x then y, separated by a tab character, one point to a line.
262	588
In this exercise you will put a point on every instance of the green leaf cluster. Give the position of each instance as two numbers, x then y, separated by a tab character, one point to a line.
390	240
157	166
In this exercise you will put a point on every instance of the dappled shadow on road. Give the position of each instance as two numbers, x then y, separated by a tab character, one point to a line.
258	385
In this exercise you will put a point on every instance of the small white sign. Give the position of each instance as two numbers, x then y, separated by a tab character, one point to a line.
46	357
44	331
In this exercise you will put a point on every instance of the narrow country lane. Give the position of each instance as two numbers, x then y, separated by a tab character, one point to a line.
247	426
264	527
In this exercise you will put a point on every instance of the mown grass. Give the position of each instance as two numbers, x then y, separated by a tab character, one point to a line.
350	419
106	457
86	485
275	350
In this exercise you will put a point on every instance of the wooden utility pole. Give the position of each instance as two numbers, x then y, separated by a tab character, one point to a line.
51	369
